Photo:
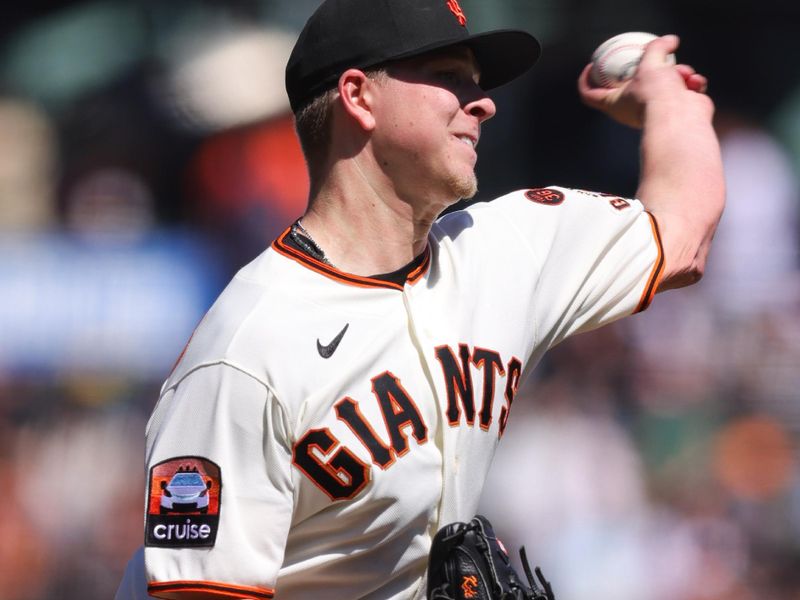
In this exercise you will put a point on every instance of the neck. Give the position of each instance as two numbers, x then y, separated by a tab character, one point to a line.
363	226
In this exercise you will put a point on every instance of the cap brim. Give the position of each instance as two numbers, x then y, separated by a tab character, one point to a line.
503	55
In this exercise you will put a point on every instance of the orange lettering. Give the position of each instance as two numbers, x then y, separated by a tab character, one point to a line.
469	586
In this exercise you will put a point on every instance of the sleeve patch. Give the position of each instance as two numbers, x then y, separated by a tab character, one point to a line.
183	503
545	196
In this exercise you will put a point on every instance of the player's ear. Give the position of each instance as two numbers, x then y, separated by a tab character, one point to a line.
357	92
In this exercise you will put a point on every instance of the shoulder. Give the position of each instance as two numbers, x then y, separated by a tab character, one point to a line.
247	319
559	198
536	208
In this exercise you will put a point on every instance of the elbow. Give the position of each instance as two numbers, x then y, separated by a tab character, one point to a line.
686	255
696	269
685	276
695	272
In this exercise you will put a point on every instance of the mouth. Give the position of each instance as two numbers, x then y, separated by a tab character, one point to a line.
469	140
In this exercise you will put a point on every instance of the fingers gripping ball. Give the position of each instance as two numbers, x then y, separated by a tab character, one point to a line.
616	60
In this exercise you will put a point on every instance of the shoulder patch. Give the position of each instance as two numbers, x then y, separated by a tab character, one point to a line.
545	196
183	502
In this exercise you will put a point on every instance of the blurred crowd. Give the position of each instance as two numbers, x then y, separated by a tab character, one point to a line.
147	152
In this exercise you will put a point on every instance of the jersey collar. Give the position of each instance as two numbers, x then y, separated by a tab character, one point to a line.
419	267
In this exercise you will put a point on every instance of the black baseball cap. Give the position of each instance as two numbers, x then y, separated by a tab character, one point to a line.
344	34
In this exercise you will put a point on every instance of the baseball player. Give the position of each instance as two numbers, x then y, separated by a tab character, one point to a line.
342	399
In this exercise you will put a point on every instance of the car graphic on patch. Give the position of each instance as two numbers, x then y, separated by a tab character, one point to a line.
186	491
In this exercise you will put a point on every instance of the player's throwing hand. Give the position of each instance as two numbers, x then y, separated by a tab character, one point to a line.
655	80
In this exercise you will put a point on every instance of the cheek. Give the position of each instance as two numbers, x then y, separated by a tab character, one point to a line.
421	117
415	129
411	137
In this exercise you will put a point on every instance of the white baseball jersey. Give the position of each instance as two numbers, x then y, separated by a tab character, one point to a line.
320	427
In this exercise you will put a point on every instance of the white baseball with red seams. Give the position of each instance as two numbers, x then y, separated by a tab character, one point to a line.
615	60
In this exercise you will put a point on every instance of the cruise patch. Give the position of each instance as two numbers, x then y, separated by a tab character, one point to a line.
183	503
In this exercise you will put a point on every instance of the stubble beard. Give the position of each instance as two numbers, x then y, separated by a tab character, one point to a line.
464	187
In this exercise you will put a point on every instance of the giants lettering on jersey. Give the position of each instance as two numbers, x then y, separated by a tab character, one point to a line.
337	471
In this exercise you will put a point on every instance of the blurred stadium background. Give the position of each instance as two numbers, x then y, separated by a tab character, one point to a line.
146	152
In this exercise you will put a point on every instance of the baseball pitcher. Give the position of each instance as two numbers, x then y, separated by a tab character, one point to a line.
340	403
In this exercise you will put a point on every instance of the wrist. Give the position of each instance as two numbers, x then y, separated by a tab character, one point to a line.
686	108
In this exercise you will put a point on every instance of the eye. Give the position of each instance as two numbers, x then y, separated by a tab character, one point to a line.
455	77
448	76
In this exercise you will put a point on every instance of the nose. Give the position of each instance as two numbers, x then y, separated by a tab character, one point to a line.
481	107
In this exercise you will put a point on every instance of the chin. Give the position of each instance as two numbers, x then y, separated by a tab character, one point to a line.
464	187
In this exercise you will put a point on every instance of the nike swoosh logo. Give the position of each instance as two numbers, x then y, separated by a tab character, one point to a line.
327	351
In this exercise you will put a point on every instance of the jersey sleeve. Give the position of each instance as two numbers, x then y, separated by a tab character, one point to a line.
220	497
595	257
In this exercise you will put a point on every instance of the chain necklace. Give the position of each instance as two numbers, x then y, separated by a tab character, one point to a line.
303	239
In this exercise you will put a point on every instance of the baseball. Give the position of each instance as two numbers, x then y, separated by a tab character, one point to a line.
615	60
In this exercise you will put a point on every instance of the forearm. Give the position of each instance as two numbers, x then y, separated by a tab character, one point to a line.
682	182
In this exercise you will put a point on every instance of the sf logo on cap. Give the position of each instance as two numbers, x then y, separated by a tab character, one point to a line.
456	9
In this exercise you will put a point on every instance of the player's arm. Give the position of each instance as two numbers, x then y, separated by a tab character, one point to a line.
681	182
226	427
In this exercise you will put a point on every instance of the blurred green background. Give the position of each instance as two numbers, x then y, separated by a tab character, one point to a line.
147	152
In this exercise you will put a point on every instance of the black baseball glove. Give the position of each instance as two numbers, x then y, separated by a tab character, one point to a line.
467	562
